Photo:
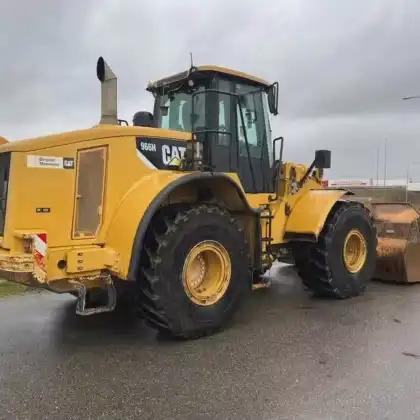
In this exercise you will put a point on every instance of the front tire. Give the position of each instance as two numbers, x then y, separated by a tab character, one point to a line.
195	271
343	260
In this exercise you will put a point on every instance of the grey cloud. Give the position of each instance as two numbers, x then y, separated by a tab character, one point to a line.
342	66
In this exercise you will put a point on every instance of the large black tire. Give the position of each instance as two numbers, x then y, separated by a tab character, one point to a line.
163	300
321	265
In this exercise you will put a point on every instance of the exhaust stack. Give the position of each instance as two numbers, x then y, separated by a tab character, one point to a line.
108	92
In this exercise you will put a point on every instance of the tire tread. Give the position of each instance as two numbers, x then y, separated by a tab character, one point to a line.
150	303
314	270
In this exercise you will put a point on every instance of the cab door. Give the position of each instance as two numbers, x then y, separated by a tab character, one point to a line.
253	138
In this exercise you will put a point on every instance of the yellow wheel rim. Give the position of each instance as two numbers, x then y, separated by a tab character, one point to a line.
354	251
206	273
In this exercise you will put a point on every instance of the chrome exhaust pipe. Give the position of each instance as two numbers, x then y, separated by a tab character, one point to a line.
108	81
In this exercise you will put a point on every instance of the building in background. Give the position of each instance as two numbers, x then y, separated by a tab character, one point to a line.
359	182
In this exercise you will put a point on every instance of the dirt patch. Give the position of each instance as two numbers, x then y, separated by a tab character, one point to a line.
8	288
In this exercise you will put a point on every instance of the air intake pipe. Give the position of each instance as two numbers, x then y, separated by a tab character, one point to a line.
108	81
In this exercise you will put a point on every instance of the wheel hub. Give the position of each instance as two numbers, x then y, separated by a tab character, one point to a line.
206	273
354	251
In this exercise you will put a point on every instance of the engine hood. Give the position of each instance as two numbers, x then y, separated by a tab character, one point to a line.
97	132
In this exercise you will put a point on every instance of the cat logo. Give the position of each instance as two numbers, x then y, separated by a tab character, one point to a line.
68	163
172	153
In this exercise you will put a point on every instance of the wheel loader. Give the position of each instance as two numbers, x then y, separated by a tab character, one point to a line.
187	206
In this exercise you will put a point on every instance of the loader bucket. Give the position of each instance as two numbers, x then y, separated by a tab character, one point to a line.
398	250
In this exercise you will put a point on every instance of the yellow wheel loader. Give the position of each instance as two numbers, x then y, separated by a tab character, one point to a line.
188	206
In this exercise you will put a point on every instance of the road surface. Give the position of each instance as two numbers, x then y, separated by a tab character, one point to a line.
285	355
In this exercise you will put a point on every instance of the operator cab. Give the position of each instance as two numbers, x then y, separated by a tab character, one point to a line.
228	112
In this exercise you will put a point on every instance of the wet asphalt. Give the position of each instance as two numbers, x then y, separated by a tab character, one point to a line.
286	355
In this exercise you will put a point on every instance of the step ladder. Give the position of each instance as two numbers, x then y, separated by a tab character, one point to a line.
83	308
266	218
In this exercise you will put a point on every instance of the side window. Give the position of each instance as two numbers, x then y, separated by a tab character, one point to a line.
224	120
219	112
222	115
250	121
175	111
199	116
177	114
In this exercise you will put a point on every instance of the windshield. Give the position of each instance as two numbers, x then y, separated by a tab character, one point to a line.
174	110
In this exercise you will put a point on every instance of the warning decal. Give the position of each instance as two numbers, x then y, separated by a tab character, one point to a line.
39	251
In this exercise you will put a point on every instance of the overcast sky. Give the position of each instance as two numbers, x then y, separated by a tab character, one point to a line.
342	67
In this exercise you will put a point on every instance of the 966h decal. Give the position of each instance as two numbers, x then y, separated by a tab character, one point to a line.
157	153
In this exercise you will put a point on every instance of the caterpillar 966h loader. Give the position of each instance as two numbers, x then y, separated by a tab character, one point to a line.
189	205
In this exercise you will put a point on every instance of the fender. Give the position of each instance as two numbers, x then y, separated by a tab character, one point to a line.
133	216
310	212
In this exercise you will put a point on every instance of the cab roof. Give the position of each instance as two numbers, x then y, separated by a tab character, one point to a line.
167	81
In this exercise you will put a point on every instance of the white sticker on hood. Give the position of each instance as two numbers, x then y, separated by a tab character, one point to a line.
34	161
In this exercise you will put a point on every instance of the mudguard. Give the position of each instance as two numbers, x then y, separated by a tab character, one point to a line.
128	226
308	215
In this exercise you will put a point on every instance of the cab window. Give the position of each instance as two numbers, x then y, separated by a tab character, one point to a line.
250	120
174	111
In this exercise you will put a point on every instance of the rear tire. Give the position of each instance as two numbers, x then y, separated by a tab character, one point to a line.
333	267
165	300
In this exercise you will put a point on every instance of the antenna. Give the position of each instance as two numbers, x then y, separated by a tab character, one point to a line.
192	68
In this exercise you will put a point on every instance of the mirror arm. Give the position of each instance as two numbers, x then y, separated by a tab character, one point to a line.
281	139
278	166
322	160
307	173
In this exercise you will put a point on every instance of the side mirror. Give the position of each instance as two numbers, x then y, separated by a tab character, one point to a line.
273	98
322	159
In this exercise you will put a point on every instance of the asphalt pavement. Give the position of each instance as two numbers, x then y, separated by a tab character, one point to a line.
286	355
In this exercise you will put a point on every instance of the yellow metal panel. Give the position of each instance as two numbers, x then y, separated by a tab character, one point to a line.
130	188
257	200
90	259
121	232
39	188
54	189
311	210
100	132
211	68
54	271
235	73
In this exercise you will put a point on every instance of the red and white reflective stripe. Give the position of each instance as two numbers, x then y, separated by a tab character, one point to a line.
40	244
39	251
